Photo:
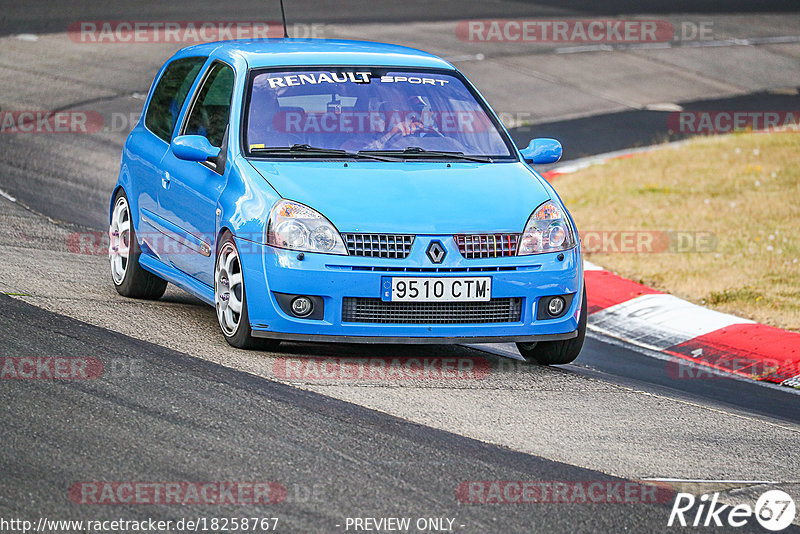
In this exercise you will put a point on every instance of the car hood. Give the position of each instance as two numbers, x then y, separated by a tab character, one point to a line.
411	197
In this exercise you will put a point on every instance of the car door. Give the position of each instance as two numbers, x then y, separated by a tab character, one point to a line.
188	201
150	140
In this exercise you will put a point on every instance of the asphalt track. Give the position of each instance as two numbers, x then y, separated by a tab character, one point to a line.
43	16
342	450
166	416
614	361
610	132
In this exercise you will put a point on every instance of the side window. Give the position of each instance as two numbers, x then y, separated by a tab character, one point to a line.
212	107
170	94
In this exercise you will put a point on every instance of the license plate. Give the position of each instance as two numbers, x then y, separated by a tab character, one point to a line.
409	289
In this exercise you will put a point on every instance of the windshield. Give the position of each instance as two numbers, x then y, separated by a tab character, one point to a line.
368	109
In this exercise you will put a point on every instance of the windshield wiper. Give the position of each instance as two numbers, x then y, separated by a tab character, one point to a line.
296	150
417	151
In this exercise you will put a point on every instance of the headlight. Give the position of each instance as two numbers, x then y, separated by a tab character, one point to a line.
548	230
295	226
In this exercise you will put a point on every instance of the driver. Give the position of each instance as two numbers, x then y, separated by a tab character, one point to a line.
404	122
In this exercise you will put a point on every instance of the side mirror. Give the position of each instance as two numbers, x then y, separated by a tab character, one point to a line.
542	151
193	148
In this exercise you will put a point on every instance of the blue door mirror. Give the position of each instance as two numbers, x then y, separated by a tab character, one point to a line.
542	151
193	148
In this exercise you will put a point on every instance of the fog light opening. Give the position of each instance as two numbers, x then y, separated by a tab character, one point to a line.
556	306
302	306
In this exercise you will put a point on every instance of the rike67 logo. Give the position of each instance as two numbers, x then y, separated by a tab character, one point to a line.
775	510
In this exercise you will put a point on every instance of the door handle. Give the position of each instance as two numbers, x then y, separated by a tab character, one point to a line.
165	180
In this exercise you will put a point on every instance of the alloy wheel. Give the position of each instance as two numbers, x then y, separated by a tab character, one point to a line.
228	289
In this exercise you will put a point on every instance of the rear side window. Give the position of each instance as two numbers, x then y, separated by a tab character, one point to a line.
170	94
212	108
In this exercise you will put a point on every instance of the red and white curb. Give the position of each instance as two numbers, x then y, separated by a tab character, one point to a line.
642	316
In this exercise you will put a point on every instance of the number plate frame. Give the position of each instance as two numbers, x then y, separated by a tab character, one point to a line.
437	288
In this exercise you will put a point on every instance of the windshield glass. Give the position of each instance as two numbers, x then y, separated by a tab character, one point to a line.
368	109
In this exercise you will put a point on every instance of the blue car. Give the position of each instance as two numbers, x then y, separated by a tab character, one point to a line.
330	190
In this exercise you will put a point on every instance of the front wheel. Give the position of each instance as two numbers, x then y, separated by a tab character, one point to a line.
230	300
557	352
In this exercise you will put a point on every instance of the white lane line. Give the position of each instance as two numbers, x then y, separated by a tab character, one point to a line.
584	48
7	196
664	106
460	59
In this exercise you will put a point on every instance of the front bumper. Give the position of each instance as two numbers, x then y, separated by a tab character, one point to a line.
412	340
268	270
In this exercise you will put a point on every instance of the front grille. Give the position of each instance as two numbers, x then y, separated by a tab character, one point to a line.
379	245
473	246
371	310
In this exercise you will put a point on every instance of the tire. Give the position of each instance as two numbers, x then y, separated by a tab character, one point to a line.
230	299
557	352
129	278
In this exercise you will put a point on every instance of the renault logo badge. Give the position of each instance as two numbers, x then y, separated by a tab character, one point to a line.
436	252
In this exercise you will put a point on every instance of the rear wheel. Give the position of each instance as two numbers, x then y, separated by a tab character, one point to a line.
230	300
129	278
557	352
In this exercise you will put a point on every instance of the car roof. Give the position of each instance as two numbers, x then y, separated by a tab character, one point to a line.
319	52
